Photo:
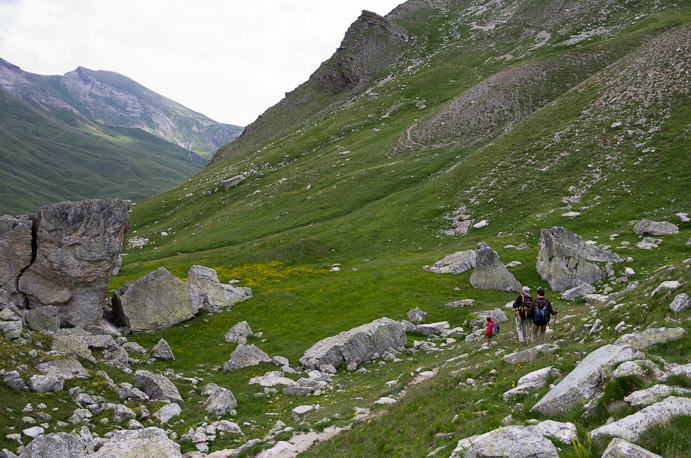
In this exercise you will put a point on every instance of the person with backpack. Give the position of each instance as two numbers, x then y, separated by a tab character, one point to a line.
541	311
522	303
492	330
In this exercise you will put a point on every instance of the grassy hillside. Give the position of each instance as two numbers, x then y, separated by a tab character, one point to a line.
514	112
57	155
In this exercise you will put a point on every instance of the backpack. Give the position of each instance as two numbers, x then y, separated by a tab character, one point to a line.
541	312
495	329
526	302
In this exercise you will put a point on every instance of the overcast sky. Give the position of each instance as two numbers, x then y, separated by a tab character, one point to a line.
228	59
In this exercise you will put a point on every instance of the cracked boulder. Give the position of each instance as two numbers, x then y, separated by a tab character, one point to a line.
156	301
565	261
490	272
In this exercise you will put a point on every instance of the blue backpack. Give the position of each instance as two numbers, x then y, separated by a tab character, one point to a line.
541	312
495	329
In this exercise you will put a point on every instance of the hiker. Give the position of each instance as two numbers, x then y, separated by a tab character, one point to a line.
522	303
489	333
540	312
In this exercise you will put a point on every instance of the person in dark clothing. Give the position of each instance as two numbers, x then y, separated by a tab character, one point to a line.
541	311
520	306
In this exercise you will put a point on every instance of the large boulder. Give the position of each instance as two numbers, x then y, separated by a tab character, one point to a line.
619	448
578	291
360	344
220	402
647	227
77	245
138	443
565	261
584	383
455	263
632	427
650	337
156	301
15	253
43	318
490	272
246	356
216	295
156	386
509	442
55	445
681	302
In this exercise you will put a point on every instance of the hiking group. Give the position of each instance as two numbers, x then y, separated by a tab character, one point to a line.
536	312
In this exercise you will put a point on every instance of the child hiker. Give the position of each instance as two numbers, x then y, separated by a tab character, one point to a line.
489	333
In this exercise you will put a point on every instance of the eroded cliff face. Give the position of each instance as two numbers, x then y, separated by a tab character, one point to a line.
63	256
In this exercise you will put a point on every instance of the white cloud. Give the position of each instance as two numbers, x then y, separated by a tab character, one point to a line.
228	59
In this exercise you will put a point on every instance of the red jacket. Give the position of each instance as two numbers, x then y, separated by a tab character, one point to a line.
489	329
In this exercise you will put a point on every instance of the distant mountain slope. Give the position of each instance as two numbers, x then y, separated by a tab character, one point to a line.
113	99
54	154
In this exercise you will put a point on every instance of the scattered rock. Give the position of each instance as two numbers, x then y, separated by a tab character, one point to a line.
650	337
238	333
630	428
620	448
358	344
162	351
584	383
647	227
456	263
66	369
220	402
578	291
648	243
529	355
216	295
680	302
301	411
156	386
481	224
644	398
45	383
138	443
566	261
232	182
167	412
508	441
246	356
55	445
529	382
592	299
666	285
416	315
490	272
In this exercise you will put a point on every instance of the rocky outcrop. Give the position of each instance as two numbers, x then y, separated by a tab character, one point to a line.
619	448
566	261
490	272
156	301
216	295
647	227
650	337
584	383
63	256
358	345
631	427
138	443
455	263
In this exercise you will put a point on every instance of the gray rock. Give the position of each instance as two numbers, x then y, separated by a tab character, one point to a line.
55	445
680	302
529	382
122	412
592	299
490	272
416	315
138	443
456	263
77	244
566	261
14	380
509	441
34	431
650	337
66	369
80	416
578	291
43	318
301	411
630	428
280	361
167	413
584	383
647	227
627	369
648	243
684	217
156	301
216	295
162	351
462	303
530	354
619	448
232	182
12	330
238	333
15	254
246	356
117	266
497	315
221	402
131	393
45	383
135	347
644	398
358	344
156	386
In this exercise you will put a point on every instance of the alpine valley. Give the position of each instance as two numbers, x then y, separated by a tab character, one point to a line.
322	287
93	134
